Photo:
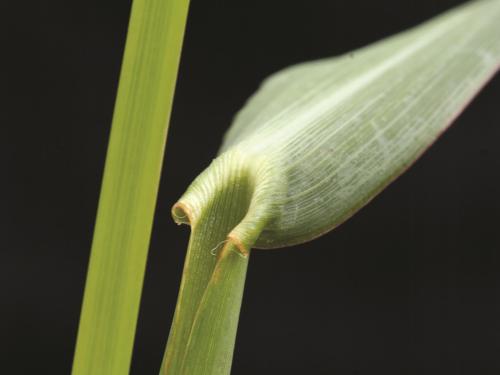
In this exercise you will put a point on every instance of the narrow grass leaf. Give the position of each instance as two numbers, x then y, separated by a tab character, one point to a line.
129	188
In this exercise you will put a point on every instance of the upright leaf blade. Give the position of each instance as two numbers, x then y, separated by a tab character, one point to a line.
129	189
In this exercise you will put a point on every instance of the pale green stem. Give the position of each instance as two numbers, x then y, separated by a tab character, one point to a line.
203	332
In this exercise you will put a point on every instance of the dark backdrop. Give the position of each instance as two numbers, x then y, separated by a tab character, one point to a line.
410	285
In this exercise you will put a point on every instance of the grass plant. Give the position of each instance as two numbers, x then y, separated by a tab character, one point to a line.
316	143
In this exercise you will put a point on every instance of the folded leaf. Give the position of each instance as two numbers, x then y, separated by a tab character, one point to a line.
309	149
321	139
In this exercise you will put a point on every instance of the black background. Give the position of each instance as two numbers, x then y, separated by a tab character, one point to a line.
410	285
